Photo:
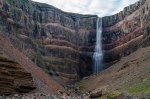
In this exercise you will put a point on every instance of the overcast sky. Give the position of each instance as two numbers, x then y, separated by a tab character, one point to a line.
98	7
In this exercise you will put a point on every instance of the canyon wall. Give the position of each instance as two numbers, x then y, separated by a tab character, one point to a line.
63	43
125	32
51	38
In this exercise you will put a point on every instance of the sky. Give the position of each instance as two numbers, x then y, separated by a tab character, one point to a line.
94	7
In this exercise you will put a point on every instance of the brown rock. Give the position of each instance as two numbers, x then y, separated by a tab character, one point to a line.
99	92
13	78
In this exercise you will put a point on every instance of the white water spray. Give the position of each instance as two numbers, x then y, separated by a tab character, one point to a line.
98	55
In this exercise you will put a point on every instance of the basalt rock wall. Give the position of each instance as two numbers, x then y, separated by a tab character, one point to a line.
51	38
127	31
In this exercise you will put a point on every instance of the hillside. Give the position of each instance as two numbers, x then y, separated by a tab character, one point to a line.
45	84
131	74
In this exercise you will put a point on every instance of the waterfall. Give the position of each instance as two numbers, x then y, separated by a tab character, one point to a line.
98	55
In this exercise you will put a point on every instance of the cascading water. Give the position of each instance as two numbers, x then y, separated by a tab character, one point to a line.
98	55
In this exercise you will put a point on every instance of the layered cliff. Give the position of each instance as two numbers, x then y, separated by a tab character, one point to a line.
125	32
14	78
51	38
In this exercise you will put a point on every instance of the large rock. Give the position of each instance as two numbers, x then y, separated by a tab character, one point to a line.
98	92
13	78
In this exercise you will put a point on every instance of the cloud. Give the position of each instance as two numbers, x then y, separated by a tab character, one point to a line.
98	7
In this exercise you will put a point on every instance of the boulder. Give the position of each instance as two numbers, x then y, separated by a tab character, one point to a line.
99	92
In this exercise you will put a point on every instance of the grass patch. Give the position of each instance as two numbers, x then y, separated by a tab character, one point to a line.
140	89
11	3
111	95
36	41
18	31
29	4
80	84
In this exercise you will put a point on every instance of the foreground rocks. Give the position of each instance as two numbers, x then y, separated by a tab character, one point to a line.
13	78
99	92
30	96
127	96
42	96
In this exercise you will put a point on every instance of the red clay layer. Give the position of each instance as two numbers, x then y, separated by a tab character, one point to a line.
66	28
130	35
125	19
127	36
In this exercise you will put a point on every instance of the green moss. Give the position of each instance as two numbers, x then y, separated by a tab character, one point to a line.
11	3
37	54
80	84
141	88
48	63
148	28
18	31
29	4
111	95
36	41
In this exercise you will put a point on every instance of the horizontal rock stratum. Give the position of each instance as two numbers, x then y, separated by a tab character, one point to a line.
14	78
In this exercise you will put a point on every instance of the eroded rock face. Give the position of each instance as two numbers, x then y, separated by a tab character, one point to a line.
51	38
126	31
13	78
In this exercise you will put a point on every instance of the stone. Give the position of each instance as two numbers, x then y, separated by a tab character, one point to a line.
127	96
146	97
98	92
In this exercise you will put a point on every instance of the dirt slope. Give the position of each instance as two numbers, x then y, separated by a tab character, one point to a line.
129	71
13	77
45	83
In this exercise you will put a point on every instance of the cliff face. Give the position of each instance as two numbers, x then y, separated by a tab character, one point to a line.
51	38
126	31
13	78
63	43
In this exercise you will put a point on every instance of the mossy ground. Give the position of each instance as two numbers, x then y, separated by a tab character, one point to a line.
80	83
140	89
